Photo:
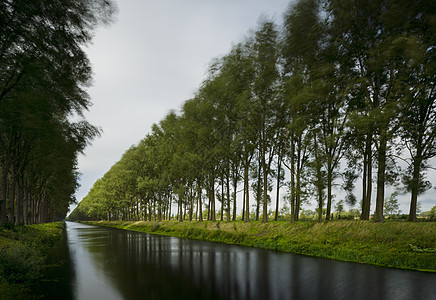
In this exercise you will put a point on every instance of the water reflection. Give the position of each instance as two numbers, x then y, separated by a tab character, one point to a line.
116	264
58	274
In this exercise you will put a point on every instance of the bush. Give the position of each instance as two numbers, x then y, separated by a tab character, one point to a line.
9	225
20	264
14	291
433	213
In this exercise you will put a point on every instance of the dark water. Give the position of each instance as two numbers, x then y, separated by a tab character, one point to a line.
103	263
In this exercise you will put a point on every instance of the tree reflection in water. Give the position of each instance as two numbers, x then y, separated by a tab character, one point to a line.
117	264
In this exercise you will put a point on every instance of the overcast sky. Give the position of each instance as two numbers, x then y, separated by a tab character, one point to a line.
152	60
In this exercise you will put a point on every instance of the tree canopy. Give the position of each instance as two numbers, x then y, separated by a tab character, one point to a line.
340	84
44	75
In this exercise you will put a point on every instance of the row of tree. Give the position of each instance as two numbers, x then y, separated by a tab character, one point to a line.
44	74
343	90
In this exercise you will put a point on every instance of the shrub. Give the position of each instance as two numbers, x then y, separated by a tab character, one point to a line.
20	264
9	225
433	213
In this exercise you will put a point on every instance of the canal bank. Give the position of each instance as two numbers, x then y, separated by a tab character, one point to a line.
107	263
402	245
23	249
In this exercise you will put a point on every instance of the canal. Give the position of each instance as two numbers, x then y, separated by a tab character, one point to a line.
95	263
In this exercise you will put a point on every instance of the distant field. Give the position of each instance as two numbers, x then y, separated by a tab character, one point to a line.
392	244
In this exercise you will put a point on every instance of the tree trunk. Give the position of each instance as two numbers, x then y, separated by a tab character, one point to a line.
292	179
276	216
212	199
191	200
209	216
329	192
11	208
180	210
247	195
415	186
258	194
319	184
367	180
26	208
31	204
298	197
3	192
222	199
235	187
265	192
34	210
200	211
364	199
320	200
159	208
243	203
381	160
20	199
228	194
154	208
368	187
298	181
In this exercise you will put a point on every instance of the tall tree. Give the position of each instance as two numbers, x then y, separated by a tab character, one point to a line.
265	100
417	48
302	37
44	74
370	36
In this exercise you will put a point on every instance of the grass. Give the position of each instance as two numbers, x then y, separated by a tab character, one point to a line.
402	245
22	252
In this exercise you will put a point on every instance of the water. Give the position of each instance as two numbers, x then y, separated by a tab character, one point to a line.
104	263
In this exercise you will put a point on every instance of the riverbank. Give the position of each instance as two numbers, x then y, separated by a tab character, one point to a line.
402	245
22	253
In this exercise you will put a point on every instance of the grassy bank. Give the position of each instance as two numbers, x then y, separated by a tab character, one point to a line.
393	244
22	253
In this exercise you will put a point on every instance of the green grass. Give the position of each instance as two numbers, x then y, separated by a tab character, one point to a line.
403	245
22	252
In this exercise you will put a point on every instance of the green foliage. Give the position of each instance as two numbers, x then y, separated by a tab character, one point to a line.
341	83
44	74
433	213
155	227
14	291
340	206
20	264
420	250
22	253
391	205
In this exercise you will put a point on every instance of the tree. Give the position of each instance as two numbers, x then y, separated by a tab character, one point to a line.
342	84
265	66
391	205
34	35
433	213
339	207
418	106
44	74
300	46
373	54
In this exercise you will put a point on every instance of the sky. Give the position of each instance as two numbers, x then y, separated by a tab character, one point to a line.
153	59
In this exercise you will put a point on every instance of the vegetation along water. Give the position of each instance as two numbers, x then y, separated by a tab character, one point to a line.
393	244
323	109
23	249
